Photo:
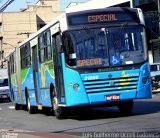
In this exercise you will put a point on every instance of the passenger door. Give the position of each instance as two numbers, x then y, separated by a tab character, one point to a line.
35	74
58	69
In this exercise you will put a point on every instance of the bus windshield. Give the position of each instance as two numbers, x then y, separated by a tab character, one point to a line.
102	47
3	82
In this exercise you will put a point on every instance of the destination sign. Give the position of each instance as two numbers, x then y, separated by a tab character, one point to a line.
90	62
102	17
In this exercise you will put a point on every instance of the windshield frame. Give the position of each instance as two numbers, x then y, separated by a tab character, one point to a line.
123	25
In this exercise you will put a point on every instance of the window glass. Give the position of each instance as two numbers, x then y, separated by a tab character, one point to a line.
25	53
45	52
42	55
48	38
41	49
105	46
49	52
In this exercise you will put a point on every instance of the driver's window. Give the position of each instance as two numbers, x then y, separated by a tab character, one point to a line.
70	54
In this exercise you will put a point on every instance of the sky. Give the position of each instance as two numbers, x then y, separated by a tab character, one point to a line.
65	3
17	5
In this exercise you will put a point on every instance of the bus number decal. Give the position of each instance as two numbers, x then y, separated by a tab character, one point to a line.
91	78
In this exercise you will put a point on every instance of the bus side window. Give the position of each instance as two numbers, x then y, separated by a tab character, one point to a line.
41	48
49	53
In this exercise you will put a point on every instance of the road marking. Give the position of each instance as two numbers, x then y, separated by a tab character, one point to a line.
11	107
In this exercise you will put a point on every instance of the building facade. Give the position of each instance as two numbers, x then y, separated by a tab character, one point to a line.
151	10
17	26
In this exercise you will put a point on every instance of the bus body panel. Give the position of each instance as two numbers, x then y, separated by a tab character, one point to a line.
27	86
45	79
94	87
144	89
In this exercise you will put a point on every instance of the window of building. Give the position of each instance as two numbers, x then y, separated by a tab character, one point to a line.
44	46
25	53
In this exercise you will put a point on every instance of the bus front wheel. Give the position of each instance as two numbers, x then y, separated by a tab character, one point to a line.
125	107
58	111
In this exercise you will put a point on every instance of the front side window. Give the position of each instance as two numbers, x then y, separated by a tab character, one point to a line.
105	46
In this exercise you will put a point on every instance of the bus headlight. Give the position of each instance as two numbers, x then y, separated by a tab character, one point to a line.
76	87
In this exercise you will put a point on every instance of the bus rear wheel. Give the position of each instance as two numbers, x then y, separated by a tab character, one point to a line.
17	106
30	108
58	111
125	107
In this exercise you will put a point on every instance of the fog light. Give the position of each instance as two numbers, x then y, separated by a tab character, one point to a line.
76	86
144	80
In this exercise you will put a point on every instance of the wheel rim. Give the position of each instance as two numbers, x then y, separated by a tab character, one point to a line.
29	104
55	104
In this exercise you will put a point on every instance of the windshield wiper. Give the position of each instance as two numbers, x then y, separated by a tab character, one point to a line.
123	26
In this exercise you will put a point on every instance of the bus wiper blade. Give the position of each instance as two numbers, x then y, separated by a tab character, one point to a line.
86	29
123	26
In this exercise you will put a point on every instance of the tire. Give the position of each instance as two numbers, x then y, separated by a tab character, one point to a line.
30	108
58	111
52	95
17	106
125	107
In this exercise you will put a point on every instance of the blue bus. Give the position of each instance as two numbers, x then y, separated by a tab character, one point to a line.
86	58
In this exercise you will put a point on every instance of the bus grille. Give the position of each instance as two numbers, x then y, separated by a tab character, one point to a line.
111	85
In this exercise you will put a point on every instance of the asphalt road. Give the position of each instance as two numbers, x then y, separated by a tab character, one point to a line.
145	118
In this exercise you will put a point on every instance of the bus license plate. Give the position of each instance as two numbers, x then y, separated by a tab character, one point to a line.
113	97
